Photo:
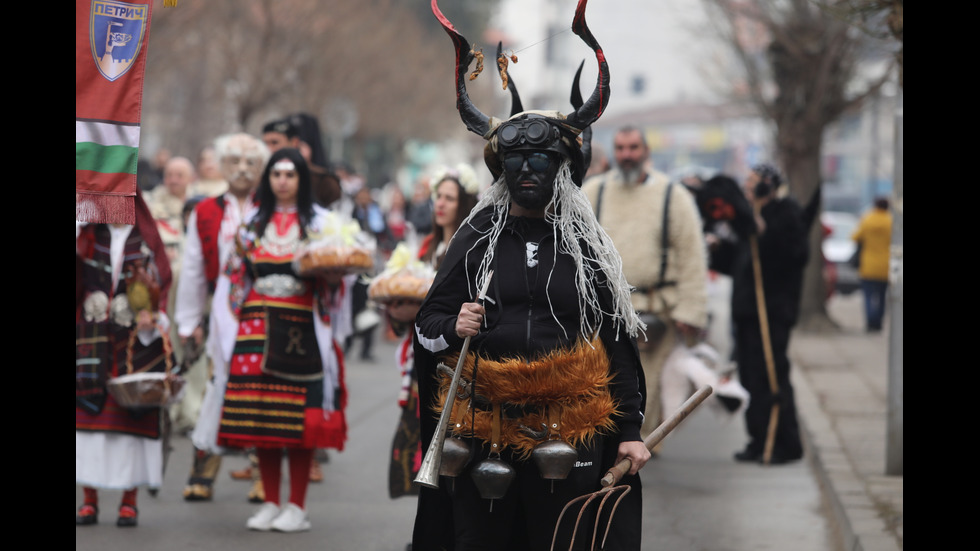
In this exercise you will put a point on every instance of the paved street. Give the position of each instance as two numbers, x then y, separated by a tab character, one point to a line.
695	496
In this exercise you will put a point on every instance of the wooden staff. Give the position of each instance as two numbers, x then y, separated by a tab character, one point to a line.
760	300
617	471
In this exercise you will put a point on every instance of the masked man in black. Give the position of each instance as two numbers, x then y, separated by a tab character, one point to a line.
551	391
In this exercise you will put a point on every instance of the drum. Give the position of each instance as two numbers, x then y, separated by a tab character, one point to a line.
145	390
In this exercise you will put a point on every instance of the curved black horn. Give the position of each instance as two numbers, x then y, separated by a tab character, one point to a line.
515	98
596	104
577	104
576	98
475	121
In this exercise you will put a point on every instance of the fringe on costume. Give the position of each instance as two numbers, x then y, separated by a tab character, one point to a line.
580	236
574	381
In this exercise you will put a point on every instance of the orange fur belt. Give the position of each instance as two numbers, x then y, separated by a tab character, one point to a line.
570	386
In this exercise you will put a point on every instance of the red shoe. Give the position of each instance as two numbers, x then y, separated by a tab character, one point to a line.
87	514
127	516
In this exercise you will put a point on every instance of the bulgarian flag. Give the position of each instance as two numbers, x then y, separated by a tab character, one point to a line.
110	60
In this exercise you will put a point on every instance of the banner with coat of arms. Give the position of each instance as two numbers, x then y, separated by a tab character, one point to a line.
111	39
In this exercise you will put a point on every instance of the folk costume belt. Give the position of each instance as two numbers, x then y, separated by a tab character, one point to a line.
562	395
280	286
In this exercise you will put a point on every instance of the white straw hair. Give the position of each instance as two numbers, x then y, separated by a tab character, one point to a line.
580	236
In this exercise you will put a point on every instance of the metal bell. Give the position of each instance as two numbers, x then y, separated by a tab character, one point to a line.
554	458
455	456
492	478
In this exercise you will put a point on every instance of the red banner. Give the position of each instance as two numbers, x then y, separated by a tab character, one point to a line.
111	39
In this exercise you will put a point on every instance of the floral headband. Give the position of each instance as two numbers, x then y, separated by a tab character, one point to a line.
462	173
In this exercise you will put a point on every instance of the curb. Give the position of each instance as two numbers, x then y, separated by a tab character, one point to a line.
855	514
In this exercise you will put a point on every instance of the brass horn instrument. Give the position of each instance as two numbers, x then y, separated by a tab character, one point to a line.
428	474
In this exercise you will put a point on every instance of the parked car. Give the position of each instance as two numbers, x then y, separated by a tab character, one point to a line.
838	248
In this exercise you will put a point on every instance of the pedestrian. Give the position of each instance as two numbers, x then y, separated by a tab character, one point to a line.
556	340
366	212
420	207
453	197
656	227
211	230
394	206
300	131
122	281
874	236
280	133
166	204
285	385
210	181
326	184
778	245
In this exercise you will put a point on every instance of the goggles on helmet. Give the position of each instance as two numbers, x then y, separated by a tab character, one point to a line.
530	132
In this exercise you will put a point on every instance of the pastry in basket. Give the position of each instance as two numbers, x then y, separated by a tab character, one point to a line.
326	258
404	277
340	245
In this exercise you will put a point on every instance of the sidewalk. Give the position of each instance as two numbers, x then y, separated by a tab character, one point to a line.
841	383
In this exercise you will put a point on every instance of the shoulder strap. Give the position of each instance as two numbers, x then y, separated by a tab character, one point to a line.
664	232
664	237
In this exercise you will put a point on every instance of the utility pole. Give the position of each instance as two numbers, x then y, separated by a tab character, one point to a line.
894	460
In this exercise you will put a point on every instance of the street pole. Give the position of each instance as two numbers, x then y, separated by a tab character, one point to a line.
894	464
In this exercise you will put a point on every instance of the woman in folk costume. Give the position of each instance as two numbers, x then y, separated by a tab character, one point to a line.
285	386
454	195
122	279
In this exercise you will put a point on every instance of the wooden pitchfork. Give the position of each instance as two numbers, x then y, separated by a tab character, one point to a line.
610	491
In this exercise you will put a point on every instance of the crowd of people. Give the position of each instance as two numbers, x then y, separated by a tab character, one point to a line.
592	323
204	290
255	342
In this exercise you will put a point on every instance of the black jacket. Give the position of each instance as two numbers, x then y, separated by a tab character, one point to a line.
783	254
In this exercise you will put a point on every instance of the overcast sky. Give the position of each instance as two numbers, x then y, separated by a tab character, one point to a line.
650	41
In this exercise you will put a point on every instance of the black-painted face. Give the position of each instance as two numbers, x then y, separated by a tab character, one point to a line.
530	176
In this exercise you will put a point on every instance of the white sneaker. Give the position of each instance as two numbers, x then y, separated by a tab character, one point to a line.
262	520
291	519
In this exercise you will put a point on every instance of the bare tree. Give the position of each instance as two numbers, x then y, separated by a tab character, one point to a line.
802	67
882	19
221	65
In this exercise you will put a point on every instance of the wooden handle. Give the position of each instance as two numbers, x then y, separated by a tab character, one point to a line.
760	299
620	469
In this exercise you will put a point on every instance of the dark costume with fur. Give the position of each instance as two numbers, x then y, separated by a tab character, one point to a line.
521	333
558	343
783	254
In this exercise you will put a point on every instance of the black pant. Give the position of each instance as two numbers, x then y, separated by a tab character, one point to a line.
359	303
754	376
525	518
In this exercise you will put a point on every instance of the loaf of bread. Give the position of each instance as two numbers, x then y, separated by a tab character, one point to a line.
399	285
348	259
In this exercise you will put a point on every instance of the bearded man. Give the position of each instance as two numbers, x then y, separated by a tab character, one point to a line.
656	226
211	231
